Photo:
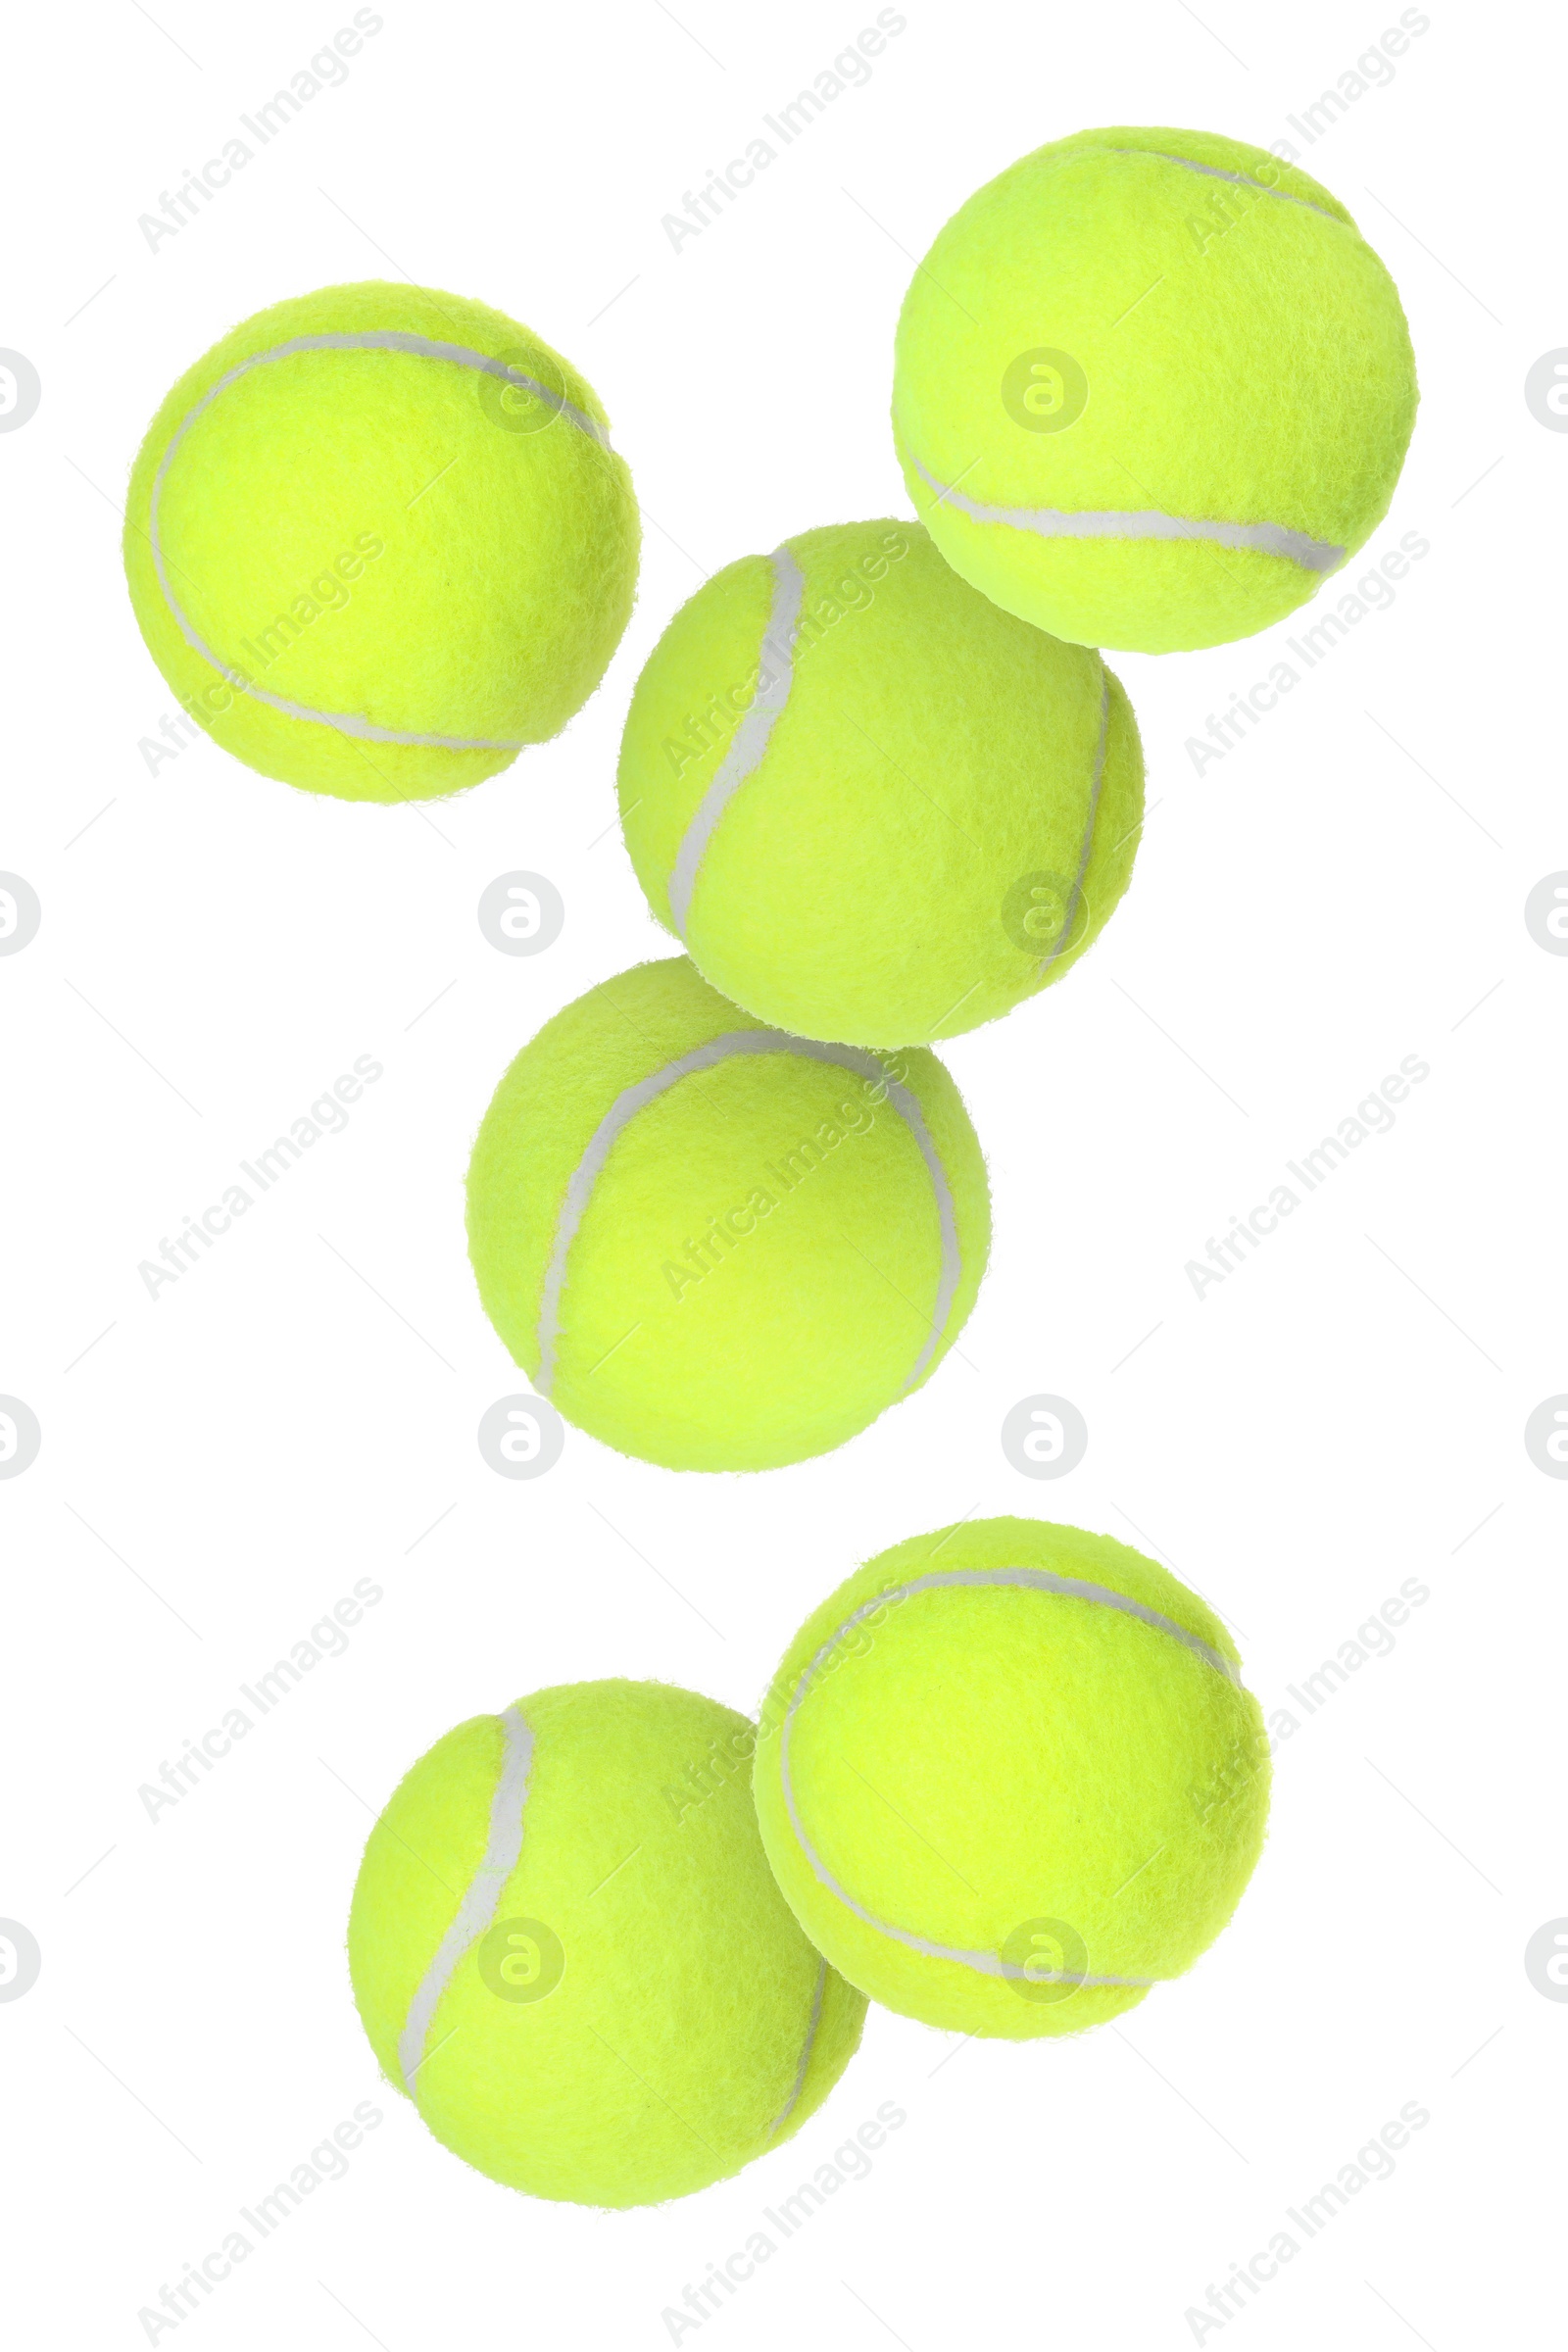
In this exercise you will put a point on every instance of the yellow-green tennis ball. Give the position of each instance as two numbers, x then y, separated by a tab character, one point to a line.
874	807
1008	1778
715	1246
377	541
1152	387
568	1949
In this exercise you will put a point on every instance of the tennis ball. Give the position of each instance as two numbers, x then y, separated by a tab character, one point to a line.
377	541
875	807
1151	388
714	1245
1008	1778
567	1948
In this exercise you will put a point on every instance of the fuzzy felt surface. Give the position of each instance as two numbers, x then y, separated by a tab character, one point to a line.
812	1207
1245	359
385	535
1005	1770
902	860
674	2039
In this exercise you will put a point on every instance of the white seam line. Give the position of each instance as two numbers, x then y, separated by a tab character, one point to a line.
775	676
1056	523
419	347
1044	1580
636	1098
749	743
794	2099
1075	895
1241	179
481	1897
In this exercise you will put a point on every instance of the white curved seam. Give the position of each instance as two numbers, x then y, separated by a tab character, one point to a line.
794	2099
481	1897
1075	895
1044	1580
419	347
1058	522
1241	179
636	1098
750	739
908	1109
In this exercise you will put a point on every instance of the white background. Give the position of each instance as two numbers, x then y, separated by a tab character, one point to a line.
218	1466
